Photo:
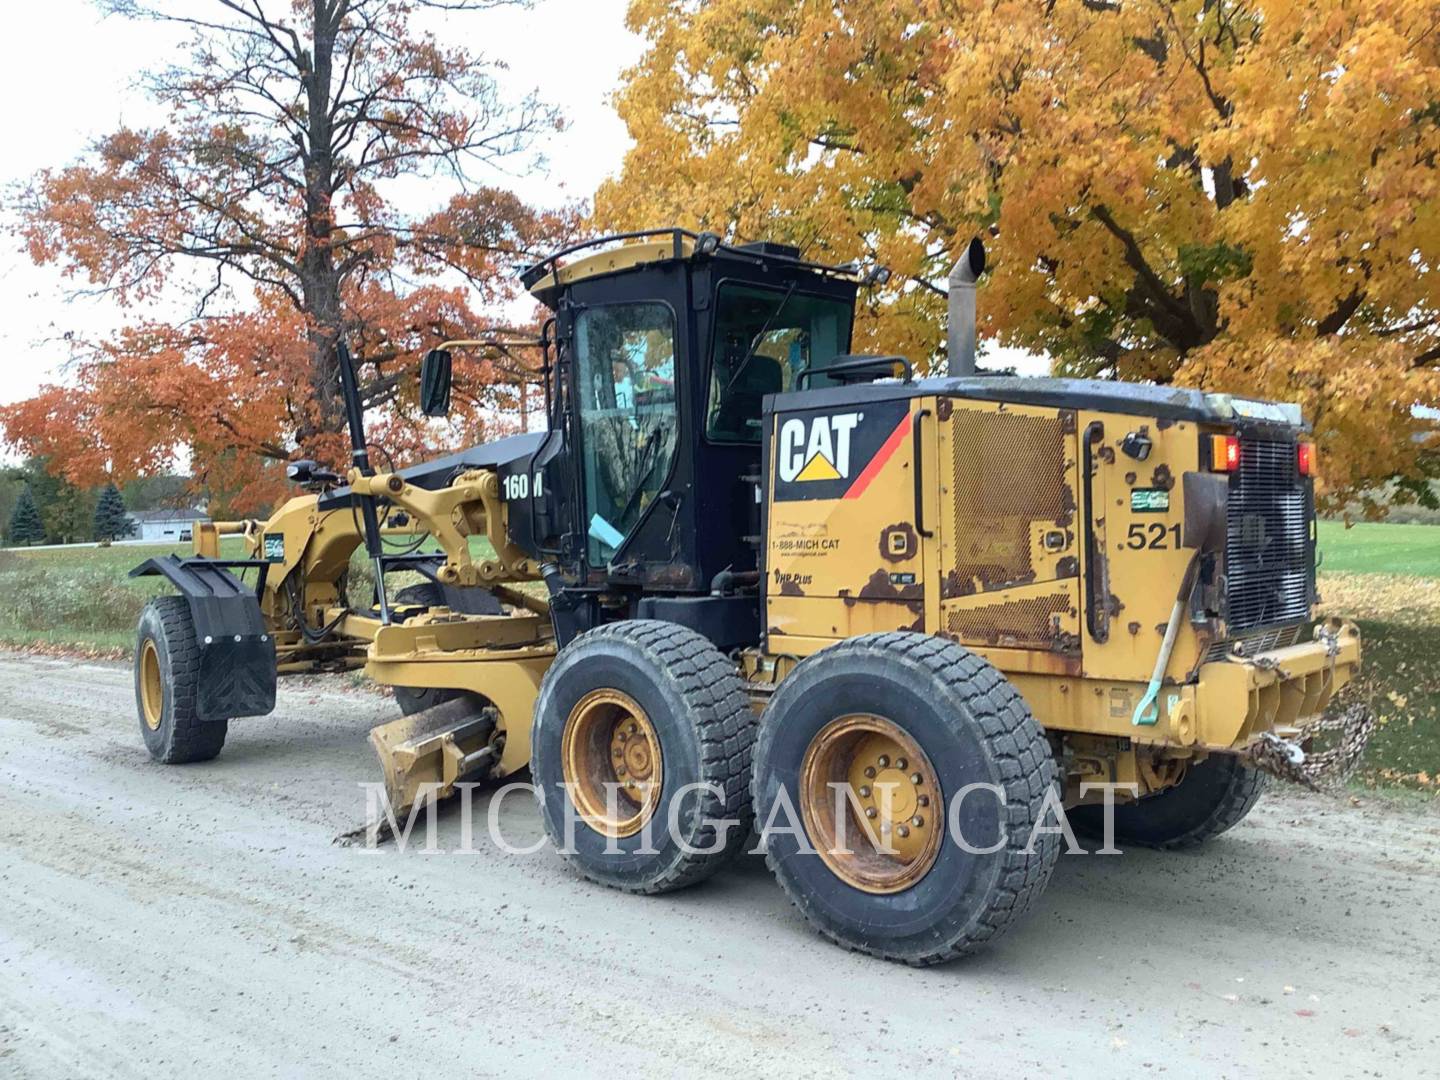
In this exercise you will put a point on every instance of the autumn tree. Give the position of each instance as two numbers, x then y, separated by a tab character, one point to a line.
270	194
1240	195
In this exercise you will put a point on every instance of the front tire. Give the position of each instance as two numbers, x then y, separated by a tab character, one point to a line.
632	717
923	719
1213	796
167	679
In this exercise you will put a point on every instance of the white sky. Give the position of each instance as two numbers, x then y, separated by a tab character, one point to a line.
571	51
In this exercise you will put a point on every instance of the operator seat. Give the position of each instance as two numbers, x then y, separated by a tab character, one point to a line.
738	416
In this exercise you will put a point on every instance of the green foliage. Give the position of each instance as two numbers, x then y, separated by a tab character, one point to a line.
25	525
12	483
68	511
111	520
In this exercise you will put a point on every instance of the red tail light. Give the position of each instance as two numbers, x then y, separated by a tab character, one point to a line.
1305	458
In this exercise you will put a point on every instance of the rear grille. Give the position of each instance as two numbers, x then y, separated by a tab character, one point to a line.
1254	643
1269	557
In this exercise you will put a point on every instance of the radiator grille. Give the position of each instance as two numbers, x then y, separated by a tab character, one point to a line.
1269	558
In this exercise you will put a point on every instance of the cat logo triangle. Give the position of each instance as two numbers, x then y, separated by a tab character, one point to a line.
818	467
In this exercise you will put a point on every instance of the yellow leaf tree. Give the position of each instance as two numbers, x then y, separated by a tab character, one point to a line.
1234	196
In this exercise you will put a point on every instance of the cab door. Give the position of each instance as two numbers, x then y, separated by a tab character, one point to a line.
625	401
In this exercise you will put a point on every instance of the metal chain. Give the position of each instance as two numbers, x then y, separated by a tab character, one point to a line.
1289	760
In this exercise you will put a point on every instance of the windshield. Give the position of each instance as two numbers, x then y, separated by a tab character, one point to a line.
764	338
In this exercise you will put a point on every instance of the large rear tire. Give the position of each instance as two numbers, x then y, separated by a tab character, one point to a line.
167	679
1214	796
925	720
641	745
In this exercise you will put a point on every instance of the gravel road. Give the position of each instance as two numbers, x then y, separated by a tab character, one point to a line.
158	919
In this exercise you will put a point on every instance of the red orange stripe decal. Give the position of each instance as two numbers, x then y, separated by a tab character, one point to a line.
877	462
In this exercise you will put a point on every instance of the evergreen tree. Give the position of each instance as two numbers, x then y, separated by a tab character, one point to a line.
25	524
111	520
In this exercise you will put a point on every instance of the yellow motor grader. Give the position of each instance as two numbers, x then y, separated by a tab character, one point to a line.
747	578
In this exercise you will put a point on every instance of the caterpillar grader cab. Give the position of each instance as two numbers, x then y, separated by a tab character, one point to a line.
900	625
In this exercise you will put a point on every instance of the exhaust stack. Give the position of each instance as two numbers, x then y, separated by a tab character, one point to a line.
961	331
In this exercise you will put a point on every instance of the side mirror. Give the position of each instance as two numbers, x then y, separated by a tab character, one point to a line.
435	374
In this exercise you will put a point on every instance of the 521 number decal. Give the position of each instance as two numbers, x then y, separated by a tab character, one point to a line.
1155	536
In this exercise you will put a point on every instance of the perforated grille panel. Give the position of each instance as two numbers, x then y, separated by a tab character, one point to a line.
1020	623
1269	564
1008	470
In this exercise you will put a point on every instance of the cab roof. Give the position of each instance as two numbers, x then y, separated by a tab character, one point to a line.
628	251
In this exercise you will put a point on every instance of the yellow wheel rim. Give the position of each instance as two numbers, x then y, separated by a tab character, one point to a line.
152	689
609	746
871	803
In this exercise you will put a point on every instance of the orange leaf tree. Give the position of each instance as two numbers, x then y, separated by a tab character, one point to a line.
268	194
1239	195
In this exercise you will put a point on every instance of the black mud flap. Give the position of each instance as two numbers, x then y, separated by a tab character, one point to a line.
237	652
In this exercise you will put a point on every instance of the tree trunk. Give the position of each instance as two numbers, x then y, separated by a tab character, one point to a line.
320	277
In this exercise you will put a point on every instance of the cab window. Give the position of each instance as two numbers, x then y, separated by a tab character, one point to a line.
625	380
763	339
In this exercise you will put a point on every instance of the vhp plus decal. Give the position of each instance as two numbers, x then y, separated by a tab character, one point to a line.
835	454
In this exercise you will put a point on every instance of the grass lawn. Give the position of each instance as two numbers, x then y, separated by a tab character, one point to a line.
1371	548
80	597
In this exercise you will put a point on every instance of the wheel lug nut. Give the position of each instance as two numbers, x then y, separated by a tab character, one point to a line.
883	761
915	778
900	763
864	791
869	772
924	800
904	831
870	811
917	821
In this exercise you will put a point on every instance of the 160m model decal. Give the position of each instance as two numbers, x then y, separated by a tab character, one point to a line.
835	455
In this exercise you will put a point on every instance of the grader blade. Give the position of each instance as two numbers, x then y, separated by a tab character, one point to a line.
442	746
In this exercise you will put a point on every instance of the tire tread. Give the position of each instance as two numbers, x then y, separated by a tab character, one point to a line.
1017	744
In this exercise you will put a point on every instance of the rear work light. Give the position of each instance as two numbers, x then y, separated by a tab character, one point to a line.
1305	458
1223	452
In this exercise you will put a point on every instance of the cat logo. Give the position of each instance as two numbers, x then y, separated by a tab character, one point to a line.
820	455
817	449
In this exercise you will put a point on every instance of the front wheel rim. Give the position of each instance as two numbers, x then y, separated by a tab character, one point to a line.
870	770
152	686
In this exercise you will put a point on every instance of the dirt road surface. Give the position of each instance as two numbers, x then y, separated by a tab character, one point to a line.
158	919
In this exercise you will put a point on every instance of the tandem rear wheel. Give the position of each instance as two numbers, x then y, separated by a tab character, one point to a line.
868	776
167	679
640	754
1214	796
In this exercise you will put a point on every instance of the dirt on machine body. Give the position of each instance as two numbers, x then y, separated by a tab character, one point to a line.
745	574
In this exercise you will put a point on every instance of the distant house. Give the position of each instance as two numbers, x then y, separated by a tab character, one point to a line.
166	526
